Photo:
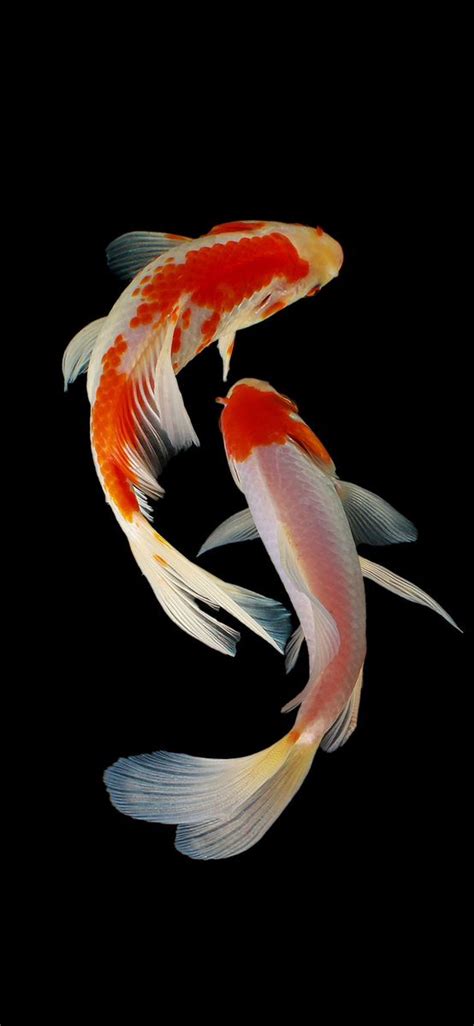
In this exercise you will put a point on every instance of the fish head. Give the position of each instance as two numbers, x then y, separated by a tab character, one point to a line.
323	253
256	415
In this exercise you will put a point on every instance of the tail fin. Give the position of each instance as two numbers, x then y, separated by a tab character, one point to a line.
179	584
223	806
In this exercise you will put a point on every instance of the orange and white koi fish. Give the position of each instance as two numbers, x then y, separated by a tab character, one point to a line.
309	522
187	294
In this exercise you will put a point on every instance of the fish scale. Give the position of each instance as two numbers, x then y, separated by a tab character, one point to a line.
193	293
308	521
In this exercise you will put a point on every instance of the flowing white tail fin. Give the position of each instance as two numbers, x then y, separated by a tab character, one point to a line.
222	806
179	584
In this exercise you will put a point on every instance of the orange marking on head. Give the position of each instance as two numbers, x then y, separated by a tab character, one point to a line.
186	317
274	308
253	417
236	226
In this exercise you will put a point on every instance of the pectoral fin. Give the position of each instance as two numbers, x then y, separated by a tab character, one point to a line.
372	520
237	528
174	418
225	346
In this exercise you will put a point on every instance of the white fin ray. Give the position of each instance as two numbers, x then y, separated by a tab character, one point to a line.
372	520
174	418
237	528
293	648
179	584
130	253
162	426
224	806
346	722
170	787
225	346
405	589
78	353
252	819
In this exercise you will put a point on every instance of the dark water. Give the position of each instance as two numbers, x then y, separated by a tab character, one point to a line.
376	363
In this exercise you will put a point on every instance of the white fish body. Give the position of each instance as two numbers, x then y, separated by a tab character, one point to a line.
309	522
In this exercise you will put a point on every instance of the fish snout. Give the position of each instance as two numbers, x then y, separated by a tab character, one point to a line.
327	256
334	258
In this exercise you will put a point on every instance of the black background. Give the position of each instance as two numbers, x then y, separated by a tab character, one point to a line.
376	363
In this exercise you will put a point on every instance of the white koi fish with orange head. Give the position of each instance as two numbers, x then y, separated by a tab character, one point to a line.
309	522
185	294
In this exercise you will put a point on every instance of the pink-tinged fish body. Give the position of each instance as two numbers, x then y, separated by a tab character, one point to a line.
309	522
301	521
190	293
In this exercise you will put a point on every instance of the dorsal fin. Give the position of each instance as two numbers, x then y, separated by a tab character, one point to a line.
130	253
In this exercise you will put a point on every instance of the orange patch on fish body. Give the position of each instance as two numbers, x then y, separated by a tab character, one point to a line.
219	276
112	402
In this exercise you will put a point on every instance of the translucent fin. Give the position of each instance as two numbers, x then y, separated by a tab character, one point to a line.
130	253
373	520
224	805
225	346
293	648
174	418
179	584
237	528
168	787
403	588
152	421
346	723
78	353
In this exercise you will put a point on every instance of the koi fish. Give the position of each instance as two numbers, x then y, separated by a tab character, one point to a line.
185	294
309	522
